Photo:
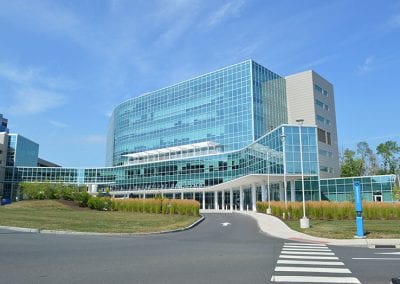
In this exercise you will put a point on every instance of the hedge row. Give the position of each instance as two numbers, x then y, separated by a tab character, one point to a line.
55	191
325	210
157	206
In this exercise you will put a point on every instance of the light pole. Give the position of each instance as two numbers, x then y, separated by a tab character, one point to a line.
304	222
283	137
268	192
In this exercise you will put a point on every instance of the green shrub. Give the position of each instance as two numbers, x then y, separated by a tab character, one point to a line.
99	203
82	198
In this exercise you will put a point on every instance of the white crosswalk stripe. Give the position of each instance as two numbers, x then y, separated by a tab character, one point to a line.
310	263
333	263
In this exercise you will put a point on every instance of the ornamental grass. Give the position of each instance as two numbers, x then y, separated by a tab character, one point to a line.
157	206
325	210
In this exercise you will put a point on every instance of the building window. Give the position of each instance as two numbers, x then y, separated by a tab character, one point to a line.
319	103
328	138
326	169
325	153
324	136
322	119
318	88
325	93
321	135
322	105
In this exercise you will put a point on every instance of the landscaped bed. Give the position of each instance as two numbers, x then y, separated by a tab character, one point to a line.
346	229
67	216
337	219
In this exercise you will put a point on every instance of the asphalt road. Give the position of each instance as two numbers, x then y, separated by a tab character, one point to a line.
225	248
371	266
209	253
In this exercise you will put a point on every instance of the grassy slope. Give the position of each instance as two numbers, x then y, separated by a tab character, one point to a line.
346	229
54	215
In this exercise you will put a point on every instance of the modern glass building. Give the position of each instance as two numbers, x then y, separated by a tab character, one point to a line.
222	138
231	107
21	151
3	124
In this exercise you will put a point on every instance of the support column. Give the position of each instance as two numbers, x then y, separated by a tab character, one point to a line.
182	195
204	200
173	195
263	192
253	196
292	191
216	207
194	195
144	195
231	199
223	200
241	198
281	192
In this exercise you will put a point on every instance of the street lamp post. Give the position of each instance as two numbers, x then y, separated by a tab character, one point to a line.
268	191
304	222
283	137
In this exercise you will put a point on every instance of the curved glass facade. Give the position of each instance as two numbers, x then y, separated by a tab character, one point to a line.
233	107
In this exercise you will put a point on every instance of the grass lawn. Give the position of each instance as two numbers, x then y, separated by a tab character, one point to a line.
56	215
346	229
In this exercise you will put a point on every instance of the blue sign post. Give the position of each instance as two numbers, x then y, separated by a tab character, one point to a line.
358	203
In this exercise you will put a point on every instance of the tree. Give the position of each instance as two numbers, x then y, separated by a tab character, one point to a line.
351	166
388	151
368	157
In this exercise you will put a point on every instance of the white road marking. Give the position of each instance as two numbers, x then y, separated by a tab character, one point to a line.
225	224
331	263
375	258
308	253
312	269
307	257
398	252
314	279
305	244
305	249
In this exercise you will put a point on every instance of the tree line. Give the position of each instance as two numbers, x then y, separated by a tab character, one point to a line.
363	161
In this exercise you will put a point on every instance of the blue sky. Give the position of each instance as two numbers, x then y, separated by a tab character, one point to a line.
64	65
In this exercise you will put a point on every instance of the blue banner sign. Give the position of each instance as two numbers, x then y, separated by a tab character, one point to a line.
358	204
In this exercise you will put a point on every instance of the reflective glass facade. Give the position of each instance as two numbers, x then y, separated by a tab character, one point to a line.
233	107
21	151
342	189
264	156
223	127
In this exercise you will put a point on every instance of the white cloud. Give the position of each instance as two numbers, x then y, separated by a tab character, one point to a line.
94	139
32	101
58	124
32	75
319	61
228	10
367	66
175	19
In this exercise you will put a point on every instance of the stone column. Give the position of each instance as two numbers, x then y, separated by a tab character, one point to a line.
264	192
223	200
216	207
204	200
292	191
253	196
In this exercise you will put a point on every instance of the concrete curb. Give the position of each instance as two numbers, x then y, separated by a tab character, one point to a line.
275	227
56	232
19	229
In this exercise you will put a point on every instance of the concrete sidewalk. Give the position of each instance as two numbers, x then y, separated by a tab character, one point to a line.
277	228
